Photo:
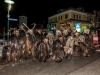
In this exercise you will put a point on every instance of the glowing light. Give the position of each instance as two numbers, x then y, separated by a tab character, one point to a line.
9	1
52	28
12	19
77	26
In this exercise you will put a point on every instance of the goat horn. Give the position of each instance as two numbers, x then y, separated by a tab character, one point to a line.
34	25
26	26
21	28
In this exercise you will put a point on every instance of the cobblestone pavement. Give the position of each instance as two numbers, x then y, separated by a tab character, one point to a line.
75	66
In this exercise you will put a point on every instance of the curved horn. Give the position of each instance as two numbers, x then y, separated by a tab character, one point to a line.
19	27
26	26
22	28
34	25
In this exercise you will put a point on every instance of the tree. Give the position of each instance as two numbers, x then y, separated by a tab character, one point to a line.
96	18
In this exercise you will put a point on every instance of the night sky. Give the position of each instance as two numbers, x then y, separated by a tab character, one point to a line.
38	11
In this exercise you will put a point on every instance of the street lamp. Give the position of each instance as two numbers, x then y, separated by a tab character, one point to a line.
9	2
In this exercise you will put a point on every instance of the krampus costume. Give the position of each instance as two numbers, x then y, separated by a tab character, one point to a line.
43	50
59	50
79	46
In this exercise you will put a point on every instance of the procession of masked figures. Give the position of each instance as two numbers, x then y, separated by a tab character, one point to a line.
28	43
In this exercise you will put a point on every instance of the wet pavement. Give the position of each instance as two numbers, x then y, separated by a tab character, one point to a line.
75	66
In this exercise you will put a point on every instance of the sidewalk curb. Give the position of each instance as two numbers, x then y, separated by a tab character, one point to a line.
2	66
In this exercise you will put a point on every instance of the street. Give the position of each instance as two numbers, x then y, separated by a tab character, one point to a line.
74	66
89	69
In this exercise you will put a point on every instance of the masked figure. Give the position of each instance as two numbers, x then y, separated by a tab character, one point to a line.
58	47
39	38
69	47
80	49
43	50
58	33
51	43
88	39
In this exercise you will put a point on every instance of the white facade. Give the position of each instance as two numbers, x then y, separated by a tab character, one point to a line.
22	19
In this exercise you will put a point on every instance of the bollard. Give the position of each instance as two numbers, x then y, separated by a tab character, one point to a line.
95	39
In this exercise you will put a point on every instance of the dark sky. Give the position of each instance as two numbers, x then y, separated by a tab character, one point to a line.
39	10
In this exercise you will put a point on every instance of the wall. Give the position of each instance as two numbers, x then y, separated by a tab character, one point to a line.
22	19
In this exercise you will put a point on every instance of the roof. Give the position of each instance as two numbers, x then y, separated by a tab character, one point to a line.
80	9
23	16
74	20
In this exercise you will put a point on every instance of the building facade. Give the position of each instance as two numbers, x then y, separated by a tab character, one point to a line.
71	16
22	19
